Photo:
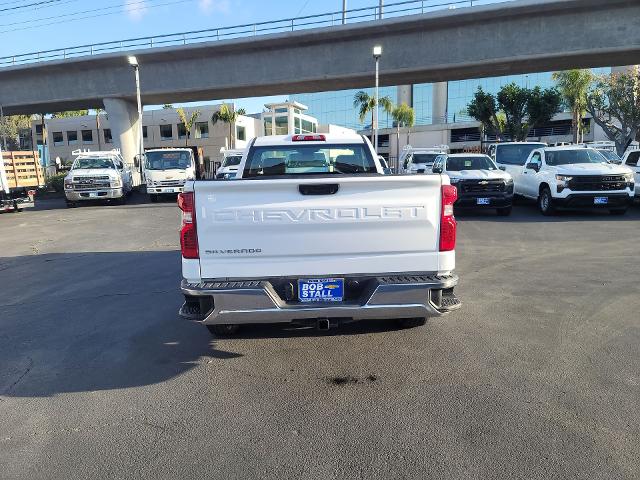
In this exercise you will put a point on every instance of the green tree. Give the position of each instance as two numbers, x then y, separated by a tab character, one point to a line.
10	128
514	111
614	104
167	106
70	113
188	121
574	85
403	116
366	103
228	115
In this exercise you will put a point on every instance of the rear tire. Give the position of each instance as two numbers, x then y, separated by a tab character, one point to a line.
411	322
71	204
618	211
504	212
223	330
545	202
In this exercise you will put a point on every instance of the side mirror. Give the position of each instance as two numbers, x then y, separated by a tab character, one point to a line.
138	159
533	166
503	168
437	169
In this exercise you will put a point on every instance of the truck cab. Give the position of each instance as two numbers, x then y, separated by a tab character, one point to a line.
511	156
632	160
415	160
166	170
316	234
98	176
480	183
229	167
574	177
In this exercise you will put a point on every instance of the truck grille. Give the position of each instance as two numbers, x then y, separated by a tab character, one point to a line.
597	183
91	182
481	186
171	183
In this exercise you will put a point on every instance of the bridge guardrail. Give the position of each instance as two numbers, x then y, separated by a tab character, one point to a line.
389	10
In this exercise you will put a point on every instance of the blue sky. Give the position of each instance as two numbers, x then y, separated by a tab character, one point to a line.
34	25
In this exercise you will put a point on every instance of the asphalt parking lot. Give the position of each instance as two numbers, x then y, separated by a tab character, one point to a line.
537	376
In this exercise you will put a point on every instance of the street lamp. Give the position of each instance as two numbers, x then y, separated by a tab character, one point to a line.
377	53
133	61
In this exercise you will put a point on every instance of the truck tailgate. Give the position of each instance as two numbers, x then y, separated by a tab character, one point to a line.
268	228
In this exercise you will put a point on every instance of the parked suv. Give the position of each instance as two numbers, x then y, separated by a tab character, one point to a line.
98	176
574	177
480	183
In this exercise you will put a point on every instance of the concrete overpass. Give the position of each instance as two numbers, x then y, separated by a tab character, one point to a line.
517	37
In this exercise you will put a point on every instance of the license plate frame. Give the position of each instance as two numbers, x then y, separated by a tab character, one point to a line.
94	194
483	201
331	290
601	200
169	190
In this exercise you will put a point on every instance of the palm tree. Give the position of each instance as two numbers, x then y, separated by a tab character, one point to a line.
574	87
227	115
188	122
403	116
366	103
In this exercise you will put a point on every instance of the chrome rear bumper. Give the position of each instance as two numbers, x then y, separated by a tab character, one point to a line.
256	301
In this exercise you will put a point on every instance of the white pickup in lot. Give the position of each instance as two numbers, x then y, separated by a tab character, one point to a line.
574	177
313	232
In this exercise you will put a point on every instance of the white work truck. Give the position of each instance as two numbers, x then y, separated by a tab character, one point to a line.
14	194
632	160
511	156
229	166
313	232
415	160
98	176
574	177
166	170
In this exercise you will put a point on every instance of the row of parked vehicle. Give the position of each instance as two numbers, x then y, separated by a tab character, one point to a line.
568	176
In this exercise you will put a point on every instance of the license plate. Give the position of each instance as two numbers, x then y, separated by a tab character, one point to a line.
321	290
93	194
169	190
483	201
601	200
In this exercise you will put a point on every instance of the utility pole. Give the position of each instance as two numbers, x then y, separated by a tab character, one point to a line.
344	11
381	10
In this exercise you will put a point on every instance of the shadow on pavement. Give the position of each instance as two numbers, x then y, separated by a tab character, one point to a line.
94	321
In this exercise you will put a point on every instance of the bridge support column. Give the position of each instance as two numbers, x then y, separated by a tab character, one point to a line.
125	130
405	95
439	103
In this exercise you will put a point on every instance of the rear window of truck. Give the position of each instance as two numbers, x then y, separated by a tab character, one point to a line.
270	161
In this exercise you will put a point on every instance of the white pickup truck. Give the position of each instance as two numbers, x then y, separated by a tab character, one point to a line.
314	233
574	177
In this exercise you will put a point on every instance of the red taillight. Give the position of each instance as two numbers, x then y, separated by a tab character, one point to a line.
188	232
447	220
308	138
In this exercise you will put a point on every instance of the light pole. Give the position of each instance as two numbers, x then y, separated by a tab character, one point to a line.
377	53
133	61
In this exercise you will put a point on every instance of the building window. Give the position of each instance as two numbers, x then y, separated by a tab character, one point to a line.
383	141
39	129
241	133
166	132
58	139
298	125
144	132
87	136
308	127
72	137
281	110
267	126
282	125
182	131
107	136
202	130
